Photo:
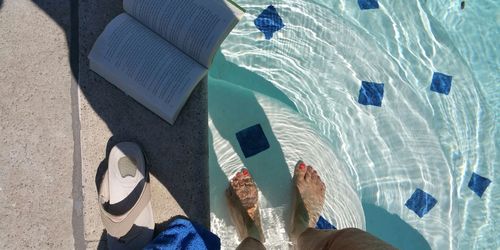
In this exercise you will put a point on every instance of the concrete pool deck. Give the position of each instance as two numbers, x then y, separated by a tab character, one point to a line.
59	119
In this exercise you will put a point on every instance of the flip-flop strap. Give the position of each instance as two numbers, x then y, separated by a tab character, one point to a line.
119	225
123	206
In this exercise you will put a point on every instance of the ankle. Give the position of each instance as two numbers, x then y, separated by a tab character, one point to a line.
253	232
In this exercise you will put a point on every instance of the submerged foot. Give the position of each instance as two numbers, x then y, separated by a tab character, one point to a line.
309	192
244	206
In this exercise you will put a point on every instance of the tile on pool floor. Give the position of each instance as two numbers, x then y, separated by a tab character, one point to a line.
441	83
324	224
252	140
269	21
420	202
478	184
371	93
368	4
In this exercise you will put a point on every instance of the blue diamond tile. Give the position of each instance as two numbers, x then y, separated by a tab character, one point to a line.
478	184
368	4
324	224
269	21
441	83
371	93
252	140
420	202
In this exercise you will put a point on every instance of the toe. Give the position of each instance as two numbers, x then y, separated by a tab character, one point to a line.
238	180
314	174
246	178
300	170
245	172
238	176
309	173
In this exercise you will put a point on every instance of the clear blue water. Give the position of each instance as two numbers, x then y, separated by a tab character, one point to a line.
302	86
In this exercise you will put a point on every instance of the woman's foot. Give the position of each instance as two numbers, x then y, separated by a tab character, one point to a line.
309	192
243	200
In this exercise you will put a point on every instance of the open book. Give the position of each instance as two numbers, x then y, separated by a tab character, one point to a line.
158	50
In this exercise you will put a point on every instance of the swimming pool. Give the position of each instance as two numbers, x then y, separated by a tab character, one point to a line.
303	87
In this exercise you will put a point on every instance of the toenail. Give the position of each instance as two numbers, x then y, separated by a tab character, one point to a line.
245	172
302	166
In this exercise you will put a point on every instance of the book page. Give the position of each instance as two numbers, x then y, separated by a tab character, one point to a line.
197	27
145	66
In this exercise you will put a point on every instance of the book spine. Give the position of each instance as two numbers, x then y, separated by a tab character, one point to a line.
236	5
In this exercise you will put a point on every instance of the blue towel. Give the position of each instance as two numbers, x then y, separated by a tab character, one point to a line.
184	234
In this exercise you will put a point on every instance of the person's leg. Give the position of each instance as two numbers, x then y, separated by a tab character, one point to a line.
349	238
308	202
250	244
243	199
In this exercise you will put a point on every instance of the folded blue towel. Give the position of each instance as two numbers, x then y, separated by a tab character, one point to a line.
184	234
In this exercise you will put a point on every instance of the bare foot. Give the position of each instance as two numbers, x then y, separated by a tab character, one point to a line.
309	192
244	206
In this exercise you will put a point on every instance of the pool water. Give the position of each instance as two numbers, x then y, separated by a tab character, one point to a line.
303	87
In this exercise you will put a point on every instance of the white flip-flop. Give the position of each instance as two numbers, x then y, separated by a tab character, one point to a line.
125	198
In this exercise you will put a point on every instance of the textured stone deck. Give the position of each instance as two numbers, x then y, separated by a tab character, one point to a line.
36	135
